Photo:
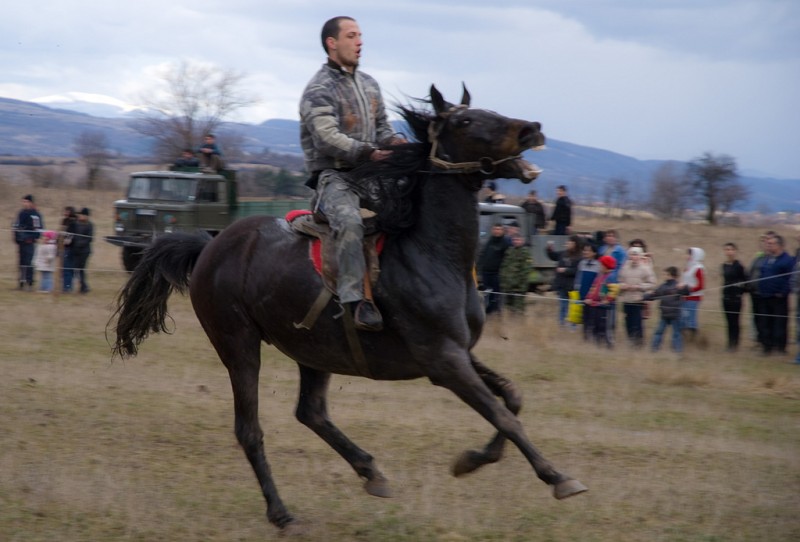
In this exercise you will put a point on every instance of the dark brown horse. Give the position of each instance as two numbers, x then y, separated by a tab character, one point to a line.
254	281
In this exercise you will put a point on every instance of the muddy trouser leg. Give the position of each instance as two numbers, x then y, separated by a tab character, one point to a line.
340	205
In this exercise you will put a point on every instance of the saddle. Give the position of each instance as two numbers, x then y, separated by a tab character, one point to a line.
322	252
322	249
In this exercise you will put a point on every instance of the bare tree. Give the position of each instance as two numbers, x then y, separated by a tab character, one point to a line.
192	101
711	176
92	147
618	191
670	194
732	196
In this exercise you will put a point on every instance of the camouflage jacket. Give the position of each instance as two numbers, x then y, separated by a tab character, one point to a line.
342	119
515	269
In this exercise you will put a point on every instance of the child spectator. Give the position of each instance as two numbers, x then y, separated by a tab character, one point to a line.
694	276
588	268
514	272
598	303
669	294
45	261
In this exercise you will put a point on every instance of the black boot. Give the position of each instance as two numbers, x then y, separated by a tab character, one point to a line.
366	316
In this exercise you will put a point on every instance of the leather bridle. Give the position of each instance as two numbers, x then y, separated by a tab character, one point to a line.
485	165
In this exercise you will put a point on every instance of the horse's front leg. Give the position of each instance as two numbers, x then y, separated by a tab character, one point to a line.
500	386
312	411
454	371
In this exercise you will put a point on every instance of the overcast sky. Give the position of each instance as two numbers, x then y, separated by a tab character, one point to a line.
666	79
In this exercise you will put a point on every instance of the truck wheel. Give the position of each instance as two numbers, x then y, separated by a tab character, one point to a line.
131	257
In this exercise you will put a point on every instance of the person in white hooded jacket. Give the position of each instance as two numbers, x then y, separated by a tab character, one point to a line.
694	277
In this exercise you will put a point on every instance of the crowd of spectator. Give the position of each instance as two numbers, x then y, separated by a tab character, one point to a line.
596	278
60	253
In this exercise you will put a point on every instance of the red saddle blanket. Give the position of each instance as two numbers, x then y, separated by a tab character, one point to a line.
315	251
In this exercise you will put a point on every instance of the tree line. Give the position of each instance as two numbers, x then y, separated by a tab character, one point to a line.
710	181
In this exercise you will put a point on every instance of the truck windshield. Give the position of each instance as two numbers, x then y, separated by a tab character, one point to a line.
162	188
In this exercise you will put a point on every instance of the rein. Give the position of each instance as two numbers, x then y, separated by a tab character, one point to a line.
484	165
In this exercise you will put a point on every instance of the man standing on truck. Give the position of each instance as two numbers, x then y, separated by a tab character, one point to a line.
535	213
343	123
210	154
562	212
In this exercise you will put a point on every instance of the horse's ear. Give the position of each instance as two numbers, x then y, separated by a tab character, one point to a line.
437	100
465	97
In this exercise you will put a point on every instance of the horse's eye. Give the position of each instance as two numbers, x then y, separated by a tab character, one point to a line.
463	123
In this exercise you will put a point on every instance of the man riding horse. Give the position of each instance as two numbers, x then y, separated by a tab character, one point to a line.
342	124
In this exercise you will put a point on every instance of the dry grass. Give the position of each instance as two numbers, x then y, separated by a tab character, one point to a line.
704	448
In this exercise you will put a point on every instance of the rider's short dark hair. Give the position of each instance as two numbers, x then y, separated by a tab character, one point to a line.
331	28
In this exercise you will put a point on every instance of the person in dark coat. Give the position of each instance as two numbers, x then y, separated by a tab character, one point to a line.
27	229
489	264
535	213
774	289
210	154
734	278
187	159
566	269
562	212
82	235
67	265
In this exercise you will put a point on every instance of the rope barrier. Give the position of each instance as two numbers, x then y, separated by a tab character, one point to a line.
488	292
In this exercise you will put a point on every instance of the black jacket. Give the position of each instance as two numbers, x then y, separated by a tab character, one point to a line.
536	209
562	212
82	234
564	281
733	274
492	255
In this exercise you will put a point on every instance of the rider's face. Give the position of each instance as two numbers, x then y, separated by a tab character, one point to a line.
346	49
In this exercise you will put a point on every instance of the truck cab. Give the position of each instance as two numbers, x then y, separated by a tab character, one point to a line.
543	270
160	202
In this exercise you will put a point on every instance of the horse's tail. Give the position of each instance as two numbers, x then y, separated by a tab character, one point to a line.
141	306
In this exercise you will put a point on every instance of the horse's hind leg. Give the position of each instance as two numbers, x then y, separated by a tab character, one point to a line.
312	411
240	351
472	460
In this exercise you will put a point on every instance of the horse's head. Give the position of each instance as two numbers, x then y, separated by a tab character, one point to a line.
479	140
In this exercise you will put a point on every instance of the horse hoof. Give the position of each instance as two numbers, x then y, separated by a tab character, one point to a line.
468	462
378	487
294	528
568	488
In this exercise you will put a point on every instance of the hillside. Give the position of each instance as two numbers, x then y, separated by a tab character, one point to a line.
32	130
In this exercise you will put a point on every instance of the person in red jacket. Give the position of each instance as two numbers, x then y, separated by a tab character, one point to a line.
694	277
598	303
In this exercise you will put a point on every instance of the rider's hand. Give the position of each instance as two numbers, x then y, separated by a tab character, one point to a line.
379	154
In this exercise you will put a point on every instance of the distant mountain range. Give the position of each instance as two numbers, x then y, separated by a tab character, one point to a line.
30	129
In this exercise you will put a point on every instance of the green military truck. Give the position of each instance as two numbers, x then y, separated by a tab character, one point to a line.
188	199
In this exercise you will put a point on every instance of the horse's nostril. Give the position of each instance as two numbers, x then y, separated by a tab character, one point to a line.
530	135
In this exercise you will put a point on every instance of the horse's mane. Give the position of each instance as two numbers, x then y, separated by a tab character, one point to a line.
390	187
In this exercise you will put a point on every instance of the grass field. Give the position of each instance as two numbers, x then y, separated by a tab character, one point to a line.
704	448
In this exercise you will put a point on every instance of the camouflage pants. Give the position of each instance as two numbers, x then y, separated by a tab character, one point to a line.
340	206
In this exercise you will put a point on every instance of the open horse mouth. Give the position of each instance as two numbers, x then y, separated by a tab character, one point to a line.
523	170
